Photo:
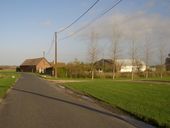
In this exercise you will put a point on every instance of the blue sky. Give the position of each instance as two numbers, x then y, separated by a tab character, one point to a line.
27	26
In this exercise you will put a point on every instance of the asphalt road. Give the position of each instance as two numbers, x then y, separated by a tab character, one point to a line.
34	103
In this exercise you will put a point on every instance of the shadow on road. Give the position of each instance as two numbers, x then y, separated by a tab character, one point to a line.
128	120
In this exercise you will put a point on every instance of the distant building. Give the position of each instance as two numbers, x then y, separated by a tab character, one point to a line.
51	70
59	64
127	65
104	65
6	67
35	65
122	65
167	63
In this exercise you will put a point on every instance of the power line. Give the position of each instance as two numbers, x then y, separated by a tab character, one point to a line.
91	22
51	46
79	17
76	20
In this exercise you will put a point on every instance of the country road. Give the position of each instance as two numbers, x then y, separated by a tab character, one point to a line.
34	103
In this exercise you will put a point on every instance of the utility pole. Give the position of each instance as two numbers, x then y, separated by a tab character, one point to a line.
55	60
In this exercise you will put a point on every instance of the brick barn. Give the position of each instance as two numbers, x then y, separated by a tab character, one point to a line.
35	65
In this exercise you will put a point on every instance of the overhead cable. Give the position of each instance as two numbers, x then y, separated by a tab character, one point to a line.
91	22
51	46
79	17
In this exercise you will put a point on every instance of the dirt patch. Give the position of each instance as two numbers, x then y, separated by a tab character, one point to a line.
66	81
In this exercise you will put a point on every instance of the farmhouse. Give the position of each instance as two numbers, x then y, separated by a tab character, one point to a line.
167	63
35	65
122	65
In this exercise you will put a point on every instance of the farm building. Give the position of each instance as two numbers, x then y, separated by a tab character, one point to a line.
122	65
51	70
35	65
127	65
167	63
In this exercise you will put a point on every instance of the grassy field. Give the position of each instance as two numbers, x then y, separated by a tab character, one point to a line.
165	78
7	79
150	102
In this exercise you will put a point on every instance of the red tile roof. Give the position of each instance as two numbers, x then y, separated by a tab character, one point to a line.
34	61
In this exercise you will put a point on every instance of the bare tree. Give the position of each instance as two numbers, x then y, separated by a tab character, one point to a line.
147	54
93	52
162	58
115	49
133	54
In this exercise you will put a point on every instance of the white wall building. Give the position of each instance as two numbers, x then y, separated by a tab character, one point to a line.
124	65
127	65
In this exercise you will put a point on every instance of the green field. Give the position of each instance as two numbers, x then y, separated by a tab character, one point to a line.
150	102
165	78
7	79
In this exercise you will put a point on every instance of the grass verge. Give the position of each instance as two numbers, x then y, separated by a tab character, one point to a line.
147	101
7	79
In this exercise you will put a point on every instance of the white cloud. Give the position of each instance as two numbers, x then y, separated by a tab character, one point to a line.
140	25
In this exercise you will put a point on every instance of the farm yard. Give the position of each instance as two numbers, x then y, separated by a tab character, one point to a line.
145	100
7	79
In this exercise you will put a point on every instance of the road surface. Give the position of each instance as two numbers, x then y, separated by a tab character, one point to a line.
34	103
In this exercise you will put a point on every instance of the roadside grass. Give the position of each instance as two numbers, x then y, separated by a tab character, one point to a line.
127	78
7	79
147	101
165	78
61	78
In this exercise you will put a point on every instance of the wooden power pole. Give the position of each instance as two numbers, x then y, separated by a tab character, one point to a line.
55	64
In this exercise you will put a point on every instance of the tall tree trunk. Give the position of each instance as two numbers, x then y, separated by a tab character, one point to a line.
161	71
93	52
161	75
113	72
92	74
147	73
132	77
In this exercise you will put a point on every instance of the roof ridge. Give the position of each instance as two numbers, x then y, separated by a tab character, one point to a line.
35	58
33	61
